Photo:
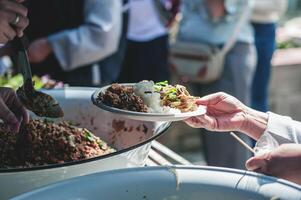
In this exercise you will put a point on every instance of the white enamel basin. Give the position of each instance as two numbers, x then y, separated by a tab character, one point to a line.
169	183
131	139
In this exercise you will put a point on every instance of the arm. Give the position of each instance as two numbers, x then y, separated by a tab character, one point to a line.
94	40
226	113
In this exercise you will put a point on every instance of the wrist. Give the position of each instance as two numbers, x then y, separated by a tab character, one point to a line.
255	123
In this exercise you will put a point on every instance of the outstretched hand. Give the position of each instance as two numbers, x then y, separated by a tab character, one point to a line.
224	113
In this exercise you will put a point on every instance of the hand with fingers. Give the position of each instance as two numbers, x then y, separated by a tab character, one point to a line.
12	112
283	162
13	19
226	113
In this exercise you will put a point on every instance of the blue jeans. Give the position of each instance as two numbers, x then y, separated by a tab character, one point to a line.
265	45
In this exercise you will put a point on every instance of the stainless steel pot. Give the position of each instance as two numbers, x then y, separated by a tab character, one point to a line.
132	139
169	183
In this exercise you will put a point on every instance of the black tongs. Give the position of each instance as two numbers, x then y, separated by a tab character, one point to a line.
41	104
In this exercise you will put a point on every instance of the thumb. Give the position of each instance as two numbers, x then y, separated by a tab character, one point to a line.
9	117
257	164
211	99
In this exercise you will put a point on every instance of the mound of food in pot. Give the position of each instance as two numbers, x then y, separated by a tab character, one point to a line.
43	142
147	96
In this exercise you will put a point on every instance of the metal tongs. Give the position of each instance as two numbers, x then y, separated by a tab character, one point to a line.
41	104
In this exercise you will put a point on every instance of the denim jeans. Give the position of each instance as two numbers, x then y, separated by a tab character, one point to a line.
265	45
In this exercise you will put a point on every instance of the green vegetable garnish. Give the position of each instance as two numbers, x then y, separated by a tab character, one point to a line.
89	136
172	96
162	83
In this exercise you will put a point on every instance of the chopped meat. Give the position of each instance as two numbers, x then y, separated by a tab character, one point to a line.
122	97
43	142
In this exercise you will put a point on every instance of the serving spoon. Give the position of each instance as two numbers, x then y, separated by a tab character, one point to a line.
43	105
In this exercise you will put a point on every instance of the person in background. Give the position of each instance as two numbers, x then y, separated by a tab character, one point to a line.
226	113
264	18
217	21
13	21
111	66
147	46
68	37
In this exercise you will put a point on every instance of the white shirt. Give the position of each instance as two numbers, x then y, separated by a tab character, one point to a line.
268	11
144	22
97	38
280	130
284	129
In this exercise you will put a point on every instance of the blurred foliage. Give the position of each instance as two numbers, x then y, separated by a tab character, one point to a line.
17	81
288	44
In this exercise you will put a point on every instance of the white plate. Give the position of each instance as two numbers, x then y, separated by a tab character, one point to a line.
144	116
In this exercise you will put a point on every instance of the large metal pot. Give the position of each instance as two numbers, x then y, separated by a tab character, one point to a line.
130	138
169	183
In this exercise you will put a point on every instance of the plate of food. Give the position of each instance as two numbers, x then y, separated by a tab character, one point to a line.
148	101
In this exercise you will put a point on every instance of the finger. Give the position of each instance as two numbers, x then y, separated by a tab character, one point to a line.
257	164
9	117
22	23
14	7
20	33
193	122
9	32
3	39
211	99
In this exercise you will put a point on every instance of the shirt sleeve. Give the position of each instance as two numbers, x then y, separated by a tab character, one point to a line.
283	129
97	38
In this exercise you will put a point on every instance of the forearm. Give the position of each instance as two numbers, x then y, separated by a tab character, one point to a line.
94	40
282	128
255	123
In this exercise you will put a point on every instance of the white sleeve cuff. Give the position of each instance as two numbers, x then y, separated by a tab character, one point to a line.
280	128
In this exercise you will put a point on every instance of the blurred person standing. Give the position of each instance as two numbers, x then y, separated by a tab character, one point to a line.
110	67
265	15
211	22
147	40
68	37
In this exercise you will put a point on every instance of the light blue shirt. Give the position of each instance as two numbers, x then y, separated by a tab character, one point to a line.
197	25
97	38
